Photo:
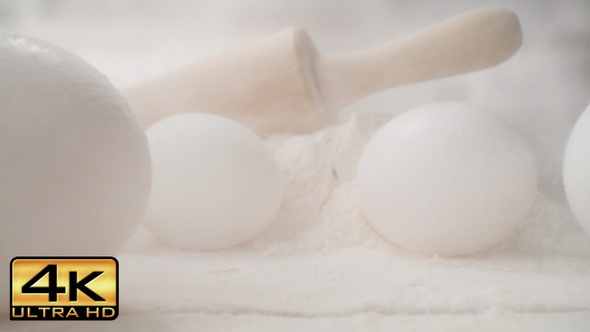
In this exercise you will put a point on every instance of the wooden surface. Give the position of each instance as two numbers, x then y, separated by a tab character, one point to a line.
280	84
263	85
476	40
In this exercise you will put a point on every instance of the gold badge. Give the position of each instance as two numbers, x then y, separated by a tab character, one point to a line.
64	288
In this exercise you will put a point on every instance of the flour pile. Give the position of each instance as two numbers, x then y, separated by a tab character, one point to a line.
320	211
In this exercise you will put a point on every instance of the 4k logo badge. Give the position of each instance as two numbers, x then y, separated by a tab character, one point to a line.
58	288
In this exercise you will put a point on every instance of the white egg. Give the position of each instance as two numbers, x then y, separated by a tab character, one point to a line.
74	163
215	184
446	179
576	170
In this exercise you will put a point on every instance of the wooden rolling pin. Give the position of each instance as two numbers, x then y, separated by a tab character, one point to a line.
281	84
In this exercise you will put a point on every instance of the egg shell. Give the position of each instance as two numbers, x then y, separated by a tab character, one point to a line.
446	179
215	183
576	170
74	163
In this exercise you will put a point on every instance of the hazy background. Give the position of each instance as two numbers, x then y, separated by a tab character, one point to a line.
542	90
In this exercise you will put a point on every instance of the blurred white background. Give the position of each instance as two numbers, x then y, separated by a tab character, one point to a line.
542	90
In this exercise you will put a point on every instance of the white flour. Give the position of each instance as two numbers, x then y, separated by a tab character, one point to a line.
319	266
320	211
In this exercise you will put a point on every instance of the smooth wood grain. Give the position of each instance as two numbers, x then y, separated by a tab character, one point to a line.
281	84
464	43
